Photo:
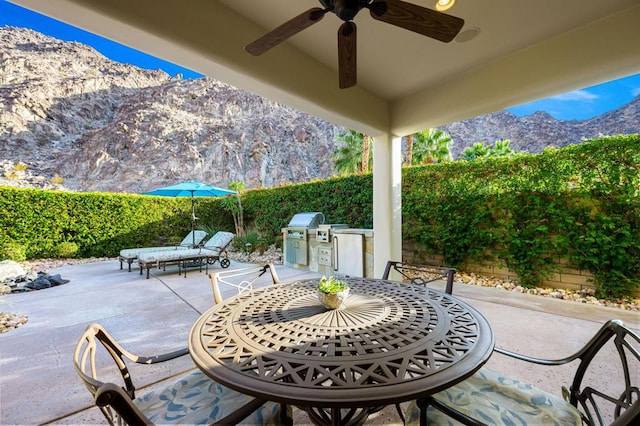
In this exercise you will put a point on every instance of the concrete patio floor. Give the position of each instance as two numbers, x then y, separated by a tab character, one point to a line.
148	317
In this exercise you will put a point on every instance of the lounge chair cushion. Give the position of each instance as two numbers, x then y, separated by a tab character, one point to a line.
495	399
219	241
211	248
196	399
185	244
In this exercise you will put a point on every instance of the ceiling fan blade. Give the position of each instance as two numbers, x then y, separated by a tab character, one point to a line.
347	68
284	31
421	20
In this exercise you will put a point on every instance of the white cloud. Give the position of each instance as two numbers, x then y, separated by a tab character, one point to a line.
576	95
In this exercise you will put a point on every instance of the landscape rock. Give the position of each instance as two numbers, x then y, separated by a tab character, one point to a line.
9	321
10	269
29	281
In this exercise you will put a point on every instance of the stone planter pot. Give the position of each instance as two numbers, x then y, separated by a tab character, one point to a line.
333	300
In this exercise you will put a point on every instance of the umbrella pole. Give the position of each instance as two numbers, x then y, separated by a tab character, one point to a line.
193	221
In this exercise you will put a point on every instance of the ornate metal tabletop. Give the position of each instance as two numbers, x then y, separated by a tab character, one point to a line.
392	342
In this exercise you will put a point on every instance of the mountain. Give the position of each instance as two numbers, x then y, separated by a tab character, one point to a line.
537	131
72	119
80	121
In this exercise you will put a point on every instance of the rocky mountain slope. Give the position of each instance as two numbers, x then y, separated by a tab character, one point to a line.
79	120
537	131
71	118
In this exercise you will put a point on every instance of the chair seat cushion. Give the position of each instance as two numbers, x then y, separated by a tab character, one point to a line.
192	239
135	252
196	399
176	255
495	399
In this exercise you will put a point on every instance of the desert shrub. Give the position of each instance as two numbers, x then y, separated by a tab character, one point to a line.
65	250
250	242
13	251
209	229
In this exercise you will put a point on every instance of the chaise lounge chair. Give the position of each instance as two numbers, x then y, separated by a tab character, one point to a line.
209	253
192	240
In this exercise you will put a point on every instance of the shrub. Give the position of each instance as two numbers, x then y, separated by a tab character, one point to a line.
210	230
66	250
249	242
13	251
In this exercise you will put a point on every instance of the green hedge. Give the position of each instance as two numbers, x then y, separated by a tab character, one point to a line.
578	203
342	200
43	223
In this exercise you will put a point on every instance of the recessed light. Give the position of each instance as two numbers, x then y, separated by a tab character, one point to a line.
443	5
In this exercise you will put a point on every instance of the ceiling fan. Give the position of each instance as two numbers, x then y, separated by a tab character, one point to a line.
421	20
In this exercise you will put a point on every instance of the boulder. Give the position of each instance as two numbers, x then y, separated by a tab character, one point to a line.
10	269
40	283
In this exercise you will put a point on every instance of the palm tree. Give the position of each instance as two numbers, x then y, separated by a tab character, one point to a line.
501	149
478	150
431	146
409	155
232	204
365	164
355	155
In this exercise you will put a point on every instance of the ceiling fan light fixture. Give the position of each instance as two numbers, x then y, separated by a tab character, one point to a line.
443	5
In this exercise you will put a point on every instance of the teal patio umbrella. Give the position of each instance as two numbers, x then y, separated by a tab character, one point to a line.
191	189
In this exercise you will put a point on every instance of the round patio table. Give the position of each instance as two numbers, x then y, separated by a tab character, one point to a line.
391	342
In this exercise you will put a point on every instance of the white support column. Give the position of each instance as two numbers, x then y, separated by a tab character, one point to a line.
387	202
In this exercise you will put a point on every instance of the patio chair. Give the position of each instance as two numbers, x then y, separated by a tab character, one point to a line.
193	239
421	274
209	253
192	399
237	278
488	397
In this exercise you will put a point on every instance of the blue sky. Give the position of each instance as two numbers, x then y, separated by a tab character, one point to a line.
16	16
577	105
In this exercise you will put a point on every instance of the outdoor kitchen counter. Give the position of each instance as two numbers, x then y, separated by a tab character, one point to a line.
392	342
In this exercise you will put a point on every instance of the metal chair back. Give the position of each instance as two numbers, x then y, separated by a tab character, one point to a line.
615	401
614	343
115	401
242	279
605	389
421	274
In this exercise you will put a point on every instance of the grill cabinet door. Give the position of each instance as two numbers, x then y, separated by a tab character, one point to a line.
348	254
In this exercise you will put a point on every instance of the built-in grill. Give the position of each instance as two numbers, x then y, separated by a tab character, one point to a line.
309	220
296	239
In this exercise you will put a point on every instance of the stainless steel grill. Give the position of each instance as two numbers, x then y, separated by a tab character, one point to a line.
309	220
296	247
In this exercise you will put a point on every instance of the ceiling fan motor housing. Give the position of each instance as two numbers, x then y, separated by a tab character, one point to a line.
344	9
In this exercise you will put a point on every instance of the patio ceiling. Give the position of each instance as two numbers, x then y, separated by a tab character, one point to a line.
524	50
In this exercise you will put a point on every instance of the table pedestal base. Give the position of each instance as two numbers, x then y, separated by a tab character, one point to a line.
340	417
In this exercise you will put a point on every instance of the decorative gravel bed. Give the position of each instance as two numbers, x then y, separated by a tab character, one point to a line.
9	321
